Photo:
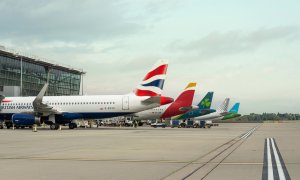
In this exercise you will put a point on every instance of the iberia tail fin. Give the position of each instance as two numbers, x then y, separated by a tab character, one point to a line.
183	103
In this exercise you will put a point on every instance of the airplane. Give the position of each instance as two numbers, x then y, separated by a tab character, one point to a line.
203	108
181	105
221	111
56	110
233	113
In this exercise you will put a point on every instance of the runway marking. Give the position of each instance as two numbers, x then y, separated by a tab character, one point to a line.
274	167
220	153
247	134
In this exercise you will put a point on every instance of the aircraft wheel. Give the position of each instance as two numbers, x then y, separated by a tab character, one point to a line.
54	126
71	125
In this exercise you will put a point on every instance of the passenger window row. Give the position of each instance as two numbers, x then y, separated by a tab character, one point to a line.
79	103
60	103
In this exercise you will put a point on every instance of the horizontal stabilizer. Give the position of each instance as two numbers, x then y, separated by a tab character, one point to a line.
162	100
188	108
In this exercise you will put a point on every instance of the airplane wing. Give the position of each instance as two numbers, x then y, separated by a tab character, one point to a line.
224	113
162	100
205	111
39	107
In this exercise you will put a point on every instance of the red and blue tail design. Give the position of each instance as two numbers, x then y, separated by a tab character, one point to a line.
153	83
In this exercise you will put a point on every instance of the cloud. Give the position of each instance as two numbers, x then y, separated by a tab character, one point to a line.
233	42
83	21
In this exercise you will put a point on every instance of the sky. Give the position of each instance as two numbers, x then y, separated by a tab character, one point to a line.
245	50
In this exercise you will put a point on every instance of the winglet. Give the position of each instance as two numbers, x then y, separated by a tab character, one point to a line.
39	98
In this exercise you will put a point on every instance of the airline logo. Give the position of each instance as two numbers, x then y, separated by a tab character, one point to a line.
153	83
190	86
6	100
206	103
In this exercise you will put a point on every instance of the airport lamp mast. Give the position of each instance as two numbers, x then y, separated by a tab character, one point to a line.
21	78
21	91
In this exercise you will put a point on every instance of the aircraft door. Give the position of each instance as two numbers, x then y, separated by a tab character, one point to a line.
125	103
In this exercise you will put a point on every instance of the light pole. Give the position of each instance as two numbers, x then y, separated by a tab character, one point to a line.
82	84
21	77
21	91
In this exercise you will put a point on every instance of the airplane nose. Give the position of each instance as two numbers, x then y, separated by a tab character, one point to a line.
165	100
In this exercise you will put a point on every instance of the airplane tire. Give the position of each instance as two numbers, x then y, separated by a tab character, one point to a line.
54	126
71	125
1	127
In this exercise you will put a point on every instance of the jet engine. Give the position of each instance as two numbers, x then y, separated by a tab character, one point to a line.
25	119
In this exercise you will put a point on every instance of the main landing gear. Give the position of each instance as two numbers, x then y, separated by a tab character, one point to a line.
54	126
72	125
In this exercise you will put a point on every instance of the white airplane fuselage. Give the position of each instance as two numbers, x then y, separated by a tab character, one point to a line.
76	107
210	116
150	114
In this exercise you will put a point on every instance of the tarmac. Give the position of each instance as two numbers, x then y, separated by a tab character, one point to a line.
228	151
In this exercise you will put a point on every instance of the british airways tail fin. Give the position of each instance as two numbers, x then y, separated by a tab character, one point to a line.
153	83
224	106
235	108
205	103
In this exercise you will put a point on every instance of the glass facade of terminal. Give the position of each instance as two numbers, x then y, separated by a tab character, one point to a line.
34	76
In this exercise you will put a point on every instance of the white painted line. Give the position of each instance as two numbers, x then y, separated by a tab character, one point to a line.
278	163
248	133
270	167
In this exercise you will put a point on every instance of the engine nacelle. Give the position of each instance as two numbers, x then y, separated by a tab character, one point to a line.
25	119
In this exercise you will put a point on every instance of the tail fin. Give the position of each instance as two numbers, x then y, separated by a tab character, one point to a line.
183	102
224	106
235	108
186	97
205	103
153	83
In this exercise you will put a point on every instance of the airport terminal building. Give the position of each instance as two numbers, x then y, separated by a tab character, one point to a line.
22	75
